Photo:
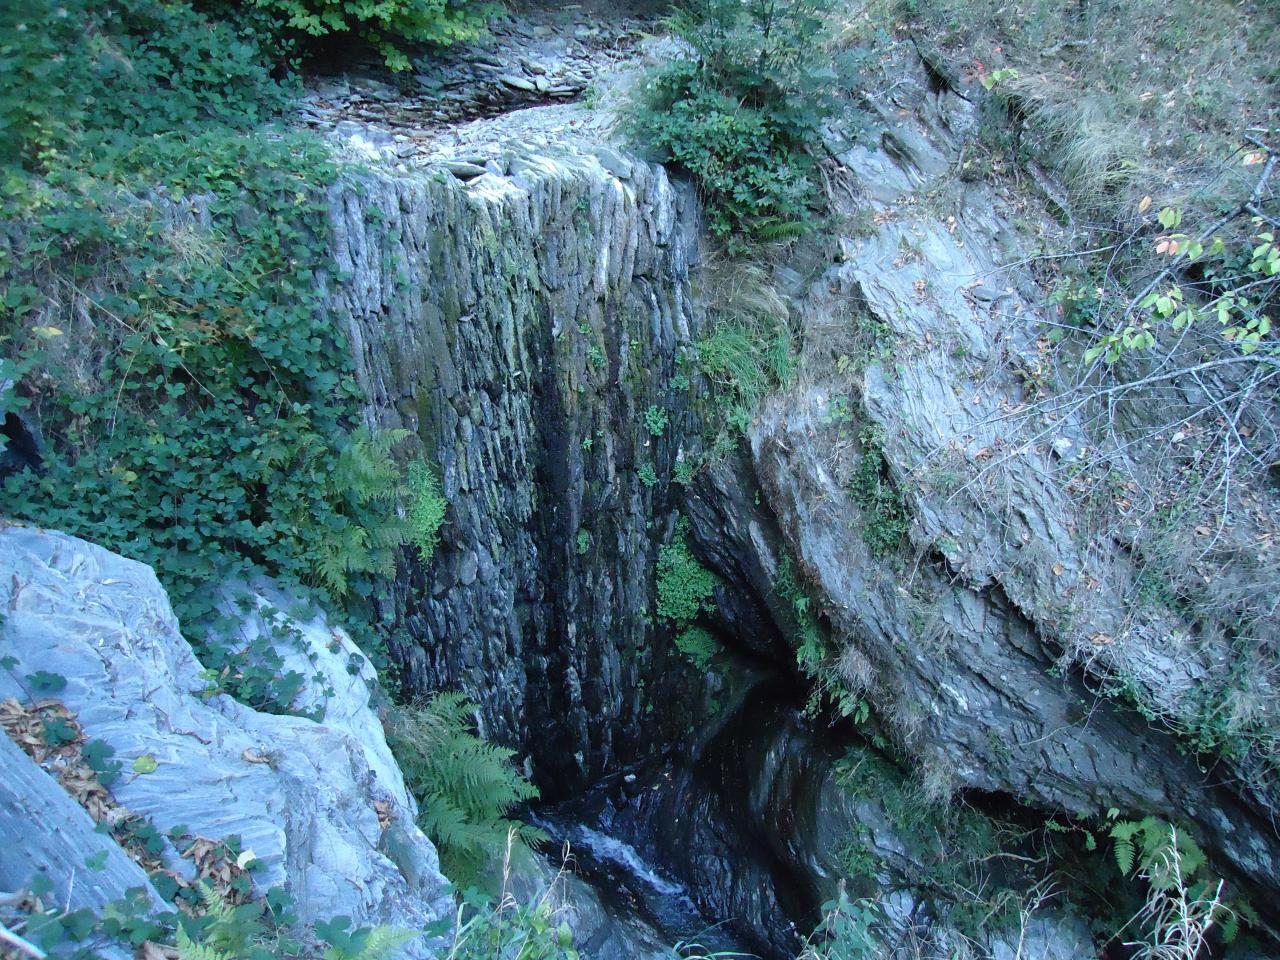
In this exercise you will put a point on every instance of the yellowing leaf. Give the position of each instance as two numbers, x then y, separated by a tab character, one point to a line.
145	764
1252	159
1144	204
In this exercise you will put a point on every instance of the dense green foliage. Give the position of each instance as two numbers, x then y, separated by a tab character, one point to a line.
465	786
685	590
248	932
685	586
88	85
389	25
485	929
740	113
699	645
162	320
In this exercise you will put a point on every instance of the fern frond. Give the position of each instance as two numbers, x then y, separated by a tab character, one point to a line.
782	230
190	950
365	469
465	785
378	944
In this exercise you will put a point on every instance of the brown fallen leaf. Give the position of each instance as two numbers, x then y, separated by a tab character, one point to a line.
252	756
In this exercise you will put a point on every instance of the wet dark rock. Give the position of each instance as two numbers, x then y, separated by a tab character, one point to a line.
520	326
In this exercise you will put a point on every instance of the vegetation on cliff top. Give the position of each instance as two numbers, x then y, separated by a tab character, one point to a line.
743	110
161	321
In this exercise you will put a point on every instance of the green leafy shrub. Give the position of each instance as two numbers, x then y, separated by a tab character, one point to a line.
389	25
465	786
196	396
698	645
846	932
86	77
427	506
739	112
685	586
484	929
884	512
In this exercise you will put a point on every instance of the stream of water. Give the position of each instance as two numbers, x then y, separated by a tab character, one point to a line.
713	843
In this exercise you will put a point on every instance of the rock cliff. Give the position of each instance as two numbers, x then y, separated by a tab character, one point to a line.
526	324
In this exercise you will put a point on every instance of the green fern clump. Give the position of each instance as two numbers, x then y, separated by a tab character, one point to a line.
427	505
1172	863
465	786
1147	845
365	482
698	645
685	586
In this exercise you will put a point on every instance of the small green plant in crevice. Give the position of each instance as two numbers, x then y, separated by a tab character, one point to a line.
466	787
952	847
740	112
426	509
648	475
685	587
582	542
699	645
656	420
885	519
811	648
815	660
685	470
750	348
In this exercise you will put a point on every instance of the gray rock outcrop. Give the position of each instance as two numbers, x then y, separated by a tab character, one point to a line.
300	794
982	654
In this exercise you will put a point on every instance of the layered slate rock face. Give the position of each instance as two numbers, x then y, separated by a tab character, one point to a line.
299	793
981	641
521	324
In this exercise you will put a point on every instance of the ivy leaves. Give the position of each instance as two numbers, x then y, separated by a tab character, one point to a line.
164	324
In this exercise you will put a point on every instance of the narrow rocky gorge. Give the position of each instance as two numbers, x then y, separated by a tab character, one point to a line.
525	299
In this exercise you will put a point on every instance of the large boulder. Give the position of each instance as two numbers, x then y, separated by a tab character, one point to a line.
320	804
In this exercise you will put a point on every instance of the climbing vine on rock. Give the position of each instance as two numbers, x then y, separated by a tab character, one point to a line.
161	319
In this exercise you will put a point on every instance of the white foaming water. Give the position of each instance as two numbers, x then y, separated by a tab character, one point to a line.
608	848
